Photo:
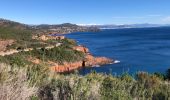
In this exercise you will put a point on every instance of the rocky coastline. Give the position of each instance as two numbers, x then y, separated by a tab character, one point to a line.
89	61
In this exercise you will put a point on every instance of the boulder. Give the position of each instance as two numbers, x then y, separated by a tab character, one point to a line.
81	49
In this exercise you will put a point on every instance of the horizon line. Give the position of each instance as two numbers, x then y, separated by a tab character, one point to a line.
89	24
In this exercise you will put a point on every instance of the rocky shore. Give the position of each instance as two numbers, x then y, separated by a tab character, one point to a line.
89	61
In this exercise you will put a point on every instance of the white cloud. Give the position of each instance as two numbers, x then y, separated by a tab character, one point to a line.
88	24
137	17
131	17
166	19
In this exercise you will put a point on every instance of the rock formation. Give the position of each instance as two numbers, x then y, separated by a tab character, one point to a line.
48	37
87	62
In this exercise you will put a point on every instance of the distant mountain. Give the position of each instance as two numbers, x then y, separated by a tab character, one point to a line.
13	24
110	26
15	30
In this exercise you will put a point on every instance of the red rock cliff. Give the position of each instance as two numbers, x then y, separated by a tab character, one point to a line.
87	62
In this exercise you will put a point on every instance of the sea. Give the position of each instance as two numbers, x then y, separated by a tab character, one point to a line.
137	49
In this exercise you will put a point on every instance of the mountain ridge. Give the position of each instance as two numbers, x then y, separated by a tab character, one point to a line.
114	26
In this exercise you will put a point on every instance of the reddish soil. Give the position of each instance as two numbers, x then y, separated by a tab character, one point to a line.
5	43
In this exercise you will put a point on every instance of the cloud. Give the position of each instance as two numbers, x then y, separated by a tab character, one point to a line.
131	17
166	19
137	17
88	24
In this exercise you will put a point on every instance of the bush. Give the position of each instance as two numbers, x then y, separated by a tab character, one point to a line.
38	75
168	74
13	84
17	60
58	54
35	82
160	75
13	33
112	88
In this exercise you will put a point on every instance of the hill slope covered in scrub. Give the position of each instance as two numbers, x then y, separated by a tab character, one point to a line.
18	38
37	83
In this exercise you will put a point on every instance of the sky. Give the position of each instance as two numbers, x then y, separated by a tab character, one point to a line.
86	11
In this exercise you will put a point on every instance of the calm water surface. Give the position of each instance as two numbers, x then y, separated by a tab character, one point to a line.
145	49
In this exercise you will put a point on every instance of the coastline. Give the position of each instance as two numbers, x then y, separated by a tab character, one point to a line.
66	66
88	61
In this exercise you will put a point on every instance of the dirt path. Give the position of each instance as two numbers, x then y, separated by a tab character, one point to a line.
13	51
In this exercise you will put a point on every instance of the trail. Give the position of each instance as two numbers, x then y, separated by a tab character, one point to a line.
10	52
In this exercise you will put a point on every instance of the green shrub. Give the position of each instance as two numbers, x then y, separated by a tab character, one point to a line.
37	75
93	86
160	75
58	54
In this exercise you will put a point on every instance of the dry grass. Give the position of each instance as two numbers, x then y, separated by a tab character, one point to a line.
13	85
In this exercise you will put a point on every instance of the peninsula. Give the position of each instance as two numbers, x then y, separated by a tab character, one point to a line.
45	45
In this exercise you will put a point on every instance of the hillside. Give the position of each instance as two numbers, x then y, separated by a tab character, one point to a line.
12	24
39	45
23	34
15	30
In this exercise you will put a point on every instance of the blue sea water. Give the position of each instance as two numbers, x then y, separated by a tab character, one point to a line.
137	49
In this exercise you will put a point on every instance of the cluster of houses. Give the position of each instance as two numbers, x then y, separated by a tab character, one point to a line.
48	37
65	30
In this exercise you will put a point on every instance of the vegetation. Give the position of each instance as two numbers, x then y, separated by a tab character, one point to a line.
58	54
20	79
61	54
37	82
14	84
11	33
168	74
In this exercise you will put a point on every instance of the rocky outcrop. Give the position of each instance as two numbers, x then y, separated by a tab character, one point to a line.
66	67
90	61
81	49
93	61
87	62
48	37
